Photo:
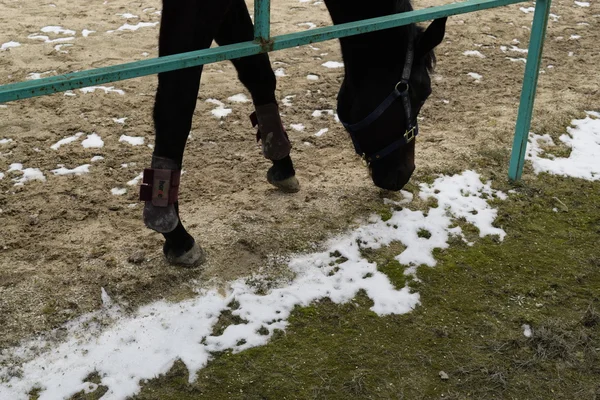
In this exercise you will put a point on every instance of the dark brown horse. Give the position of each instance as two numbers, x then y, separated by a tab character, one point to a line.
385	85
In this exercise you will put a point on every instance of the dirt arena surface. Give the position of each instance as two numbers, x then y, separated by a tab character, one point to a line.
65	238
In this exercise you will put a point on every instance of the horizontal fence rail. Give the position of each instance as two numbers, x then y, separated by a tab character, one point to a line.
61	83
263	43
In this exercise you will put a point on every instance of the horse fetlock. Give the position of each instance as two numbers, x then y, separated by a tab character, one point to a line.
274	139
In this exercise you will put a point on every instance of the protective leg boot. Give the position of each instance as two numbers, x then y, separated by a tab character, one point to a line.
160	190
275	142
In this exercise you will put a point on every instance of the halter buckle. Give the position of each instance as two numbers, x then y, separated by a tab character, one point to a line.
410	134
402	85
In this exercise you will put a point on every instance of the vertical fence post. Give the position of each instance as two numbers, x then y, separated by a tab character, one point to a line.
530	79
262	20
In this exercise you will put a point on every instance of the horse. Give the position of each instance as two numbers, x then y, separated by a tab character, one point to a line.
386	82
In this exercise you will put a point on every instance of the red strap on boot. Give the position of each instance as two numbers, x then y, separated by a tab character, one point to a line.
160	186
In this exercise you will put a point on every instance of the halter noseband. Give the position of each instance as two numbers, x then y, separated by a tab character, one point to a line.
401	90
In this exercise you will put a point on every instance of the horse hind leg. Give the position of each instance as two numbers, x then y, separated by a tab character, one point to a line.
257	76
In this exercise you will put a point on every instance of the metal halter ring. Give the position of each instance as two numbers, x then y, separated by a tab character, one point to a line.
406	87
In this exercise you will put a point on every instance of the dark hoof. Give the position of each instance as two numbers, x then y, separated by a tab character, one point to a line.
193	257
283	176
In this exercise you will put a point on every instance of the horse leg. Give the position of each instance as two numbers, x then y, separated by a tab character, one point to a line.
186	25
256	74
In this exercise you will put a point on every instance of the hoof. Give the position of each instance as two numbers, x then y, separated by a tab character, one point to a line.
283	176
288	185
191	258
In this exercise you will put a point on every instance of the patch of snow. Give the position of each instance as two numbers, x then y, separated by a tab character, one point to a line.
5	141
136	180
575	37
119	120
57	30
37	75
118	191
297	127
527	10
582	3
97	158
309	25
125	349
526	330
66	140
475	76
15	167
128	16
584	140
474	53
319	113
93	141
128	27
312	77
239	98
132	140
29	174
9	45
520	59
333	64
106	89
322	132
287	100
86	33
280	72
82	169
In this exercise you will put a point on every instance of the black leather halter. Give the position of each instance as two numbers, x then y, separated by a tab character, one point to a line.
401	90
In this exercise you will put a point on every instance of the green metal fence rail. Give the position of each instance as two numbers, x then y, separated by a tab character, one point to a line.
264	43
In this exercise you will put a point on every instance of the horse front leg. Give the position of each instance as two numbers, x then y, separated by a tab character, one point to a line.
186	25
257	76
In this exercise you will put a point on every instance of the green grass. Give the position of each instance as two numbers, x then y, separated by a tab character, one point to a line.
546	273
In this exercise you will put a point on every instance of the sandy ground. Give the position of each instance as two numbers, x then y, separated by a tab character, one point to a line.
67	237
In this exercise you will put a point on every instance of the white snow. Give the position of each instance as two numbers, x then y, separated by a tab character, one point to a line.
119	120
322	132
333	64
15	167
309	25
473	53
5	141
93	141
97	158
297	127
9	45
136	180
118	191
125	349
475	76
1	175
238	98
520	59
583	138
127	15
526	330
110	89
319	113
87	33
575	37
582	3
287	100
66	140
37	75
82	169
29	174
280	72
312	77
132	140
527	10
219	112
57	30
128	27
